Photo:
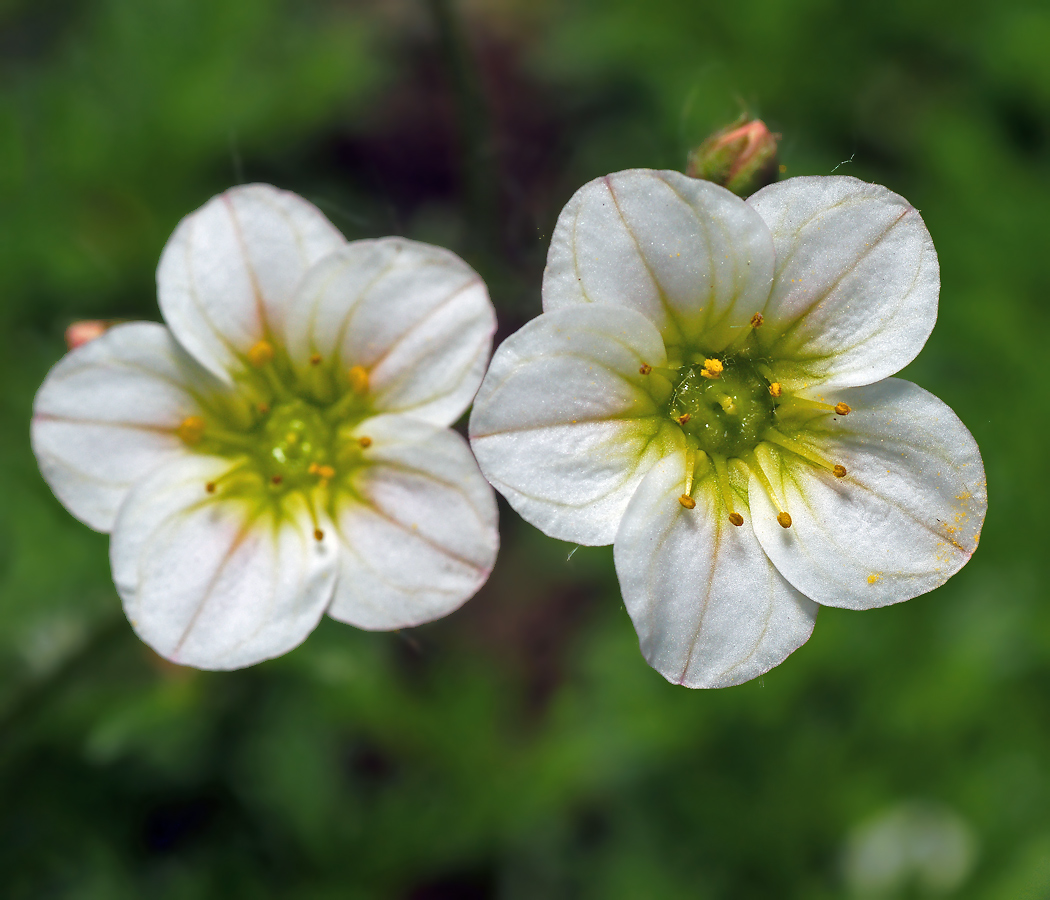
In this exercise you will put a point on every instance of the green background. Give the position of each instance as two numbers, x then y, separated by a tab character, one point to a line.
521	748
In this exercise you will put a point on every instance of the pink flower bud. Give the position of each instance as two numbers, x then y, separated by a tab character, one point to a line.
81	332
740	157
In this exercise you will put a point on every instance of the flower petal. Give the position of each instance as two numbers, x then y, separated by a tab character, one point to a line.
418	530
416	317
710	609
692	257
229	272
906	517
564	425
218	582
855	293
106	416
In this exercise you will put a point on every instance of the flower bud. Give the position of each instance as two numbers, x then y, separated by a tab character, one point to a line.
740	157
81	332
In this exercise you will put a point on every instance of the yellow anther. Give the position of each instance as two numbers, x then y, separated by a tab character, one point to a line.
683	418
358	376
784	519
644	369
191	430
757	319
736	519
261	354
318	534
364	441
775	389
210	487
315	359
842	409
839	471
263	408
326	472
687	501
712	368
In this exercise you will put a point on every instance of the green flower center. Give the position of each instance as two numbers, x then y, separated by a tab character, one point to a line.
726	411
284	433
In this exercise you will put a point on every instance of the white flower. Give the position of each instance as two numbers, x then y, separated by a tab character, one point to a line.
281	448
707	389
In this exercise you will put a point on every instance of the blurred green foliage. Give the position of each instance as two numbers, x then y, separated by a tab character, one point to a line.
521	748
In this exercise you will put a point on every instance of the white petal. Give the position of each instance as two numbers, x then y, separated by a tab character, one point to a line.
229	272
416	317
692	257
214	582
709	607
106	413
906	517
418	533
564	426
855	293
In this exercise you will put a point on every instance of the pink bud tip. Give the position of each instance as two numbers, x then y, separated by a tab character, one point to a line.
81	332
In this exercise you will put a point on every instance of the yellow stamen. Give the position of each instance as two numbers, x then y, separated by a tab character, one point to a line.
263	408
365	442
757	319
261	354
210	487
687	501
736	519
318	534
725	488
784	519
321	471
644	369
358	376
191	430
842	409
683	418
800	449
315	359
775	389
712	368
839	471
756	469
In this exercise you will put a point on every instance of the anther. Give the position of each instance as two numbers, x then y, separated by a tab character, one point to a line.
839	471
276	479
191	430
775	389
210	487
842	409
358	376
687	501
261	354
263	408
712	368
315	359
757	319
644	369
321	471
364	441
318	534
736	519
683	418
784	519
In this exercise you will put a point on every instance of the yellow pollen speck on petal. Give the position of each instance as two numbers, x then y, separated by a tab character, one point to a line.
839	471
358	376
875	578
687	501
364	441
315	359
712	368
261	354
784	519
644	369
775	389
318	534
757	319
736	519
842	409
191	430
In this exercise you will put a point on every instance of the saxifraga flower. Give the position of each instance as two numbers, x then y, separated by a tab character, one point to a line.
708	390
281	448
